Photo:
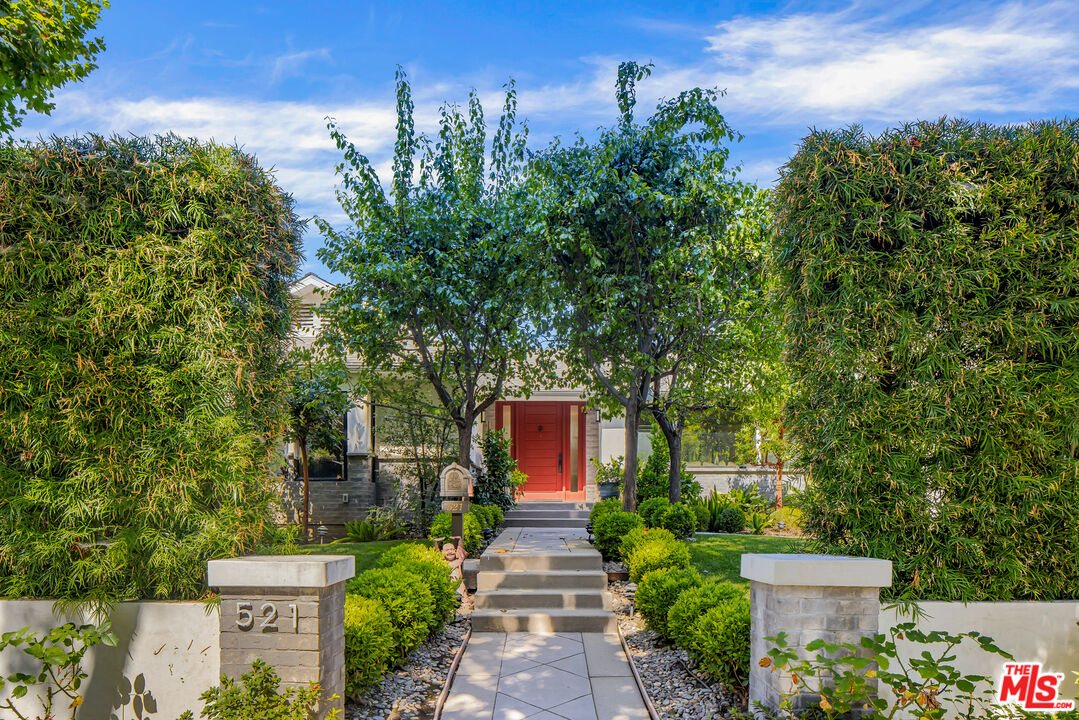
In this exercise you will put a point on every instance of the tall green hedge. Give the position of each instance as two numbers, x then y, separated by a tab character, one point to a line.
143	308
931	276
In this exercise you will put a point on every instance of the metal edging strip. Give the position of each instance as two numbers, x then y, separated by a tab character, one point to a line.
636	676
453	671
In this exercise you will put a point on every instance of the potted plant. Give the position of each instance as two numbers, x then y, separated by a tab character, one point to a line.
609	477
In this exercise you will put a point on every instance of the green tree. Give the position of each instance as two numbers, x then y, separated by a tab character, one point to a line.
43	47
760	389
438	283
639	237
317	402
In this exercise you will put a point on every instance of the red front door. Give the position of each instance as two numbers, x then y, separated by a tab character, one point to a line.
548	443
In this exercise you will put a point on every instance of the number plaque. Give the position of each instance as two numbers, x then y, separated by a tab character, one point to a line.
455	506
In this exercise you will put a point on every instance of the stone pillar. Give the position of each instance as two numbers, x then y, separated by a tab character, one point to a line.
833	598
288	611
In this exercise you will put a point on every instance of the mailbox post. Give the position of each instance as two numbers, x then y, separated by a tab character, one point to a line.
455	487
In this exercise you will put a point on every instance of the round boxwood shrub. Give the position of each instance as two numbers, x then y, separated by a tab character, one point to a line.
609	530
680	520
603	507
691	605
406	599
429	565
719	643
658	591
641	535
660	553
497	516
369	643
651	511
440	528
701	512
730	519
483	517
408	552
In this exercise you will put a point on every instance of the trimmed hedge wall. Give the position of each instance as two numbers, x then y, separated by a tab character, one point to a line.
143	309
931	281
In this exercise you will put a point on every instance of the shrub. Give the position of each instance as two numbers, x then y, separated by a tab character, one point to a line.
609	529
729	519
719	643
660	553
658	591
429	565
256	696
369	643
692	604
703	515
483	517
758	521
144	310
410	552
928	275
494	484
440	528
639	536
602	508
653	479
406	599
497	516
680	520
652	509
791	516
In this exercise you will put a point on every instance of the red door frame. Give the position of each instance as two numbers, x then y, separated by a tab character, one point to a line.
564	408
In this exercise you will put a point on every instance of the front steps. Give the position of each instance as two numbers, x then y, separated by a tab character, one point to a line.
548	515
532	580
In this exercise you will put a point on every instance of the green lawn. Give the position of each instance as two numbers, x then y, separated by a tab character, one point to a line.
720	556
366	554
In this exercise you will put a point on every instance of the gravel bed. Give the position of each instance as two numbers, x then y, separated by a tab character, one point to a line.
676	690
411	692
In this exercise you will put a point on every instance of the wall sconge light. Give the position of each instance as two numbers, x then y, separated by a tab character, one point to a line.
344	499
597	416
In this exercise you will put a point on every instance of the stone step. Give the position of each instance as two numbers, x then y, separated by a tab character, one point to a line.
550	505
550	580
519	562
554	620
574	523
542	599
544	514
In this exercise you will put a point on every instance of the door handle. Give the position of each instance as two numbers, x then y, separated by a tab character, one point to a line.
559	462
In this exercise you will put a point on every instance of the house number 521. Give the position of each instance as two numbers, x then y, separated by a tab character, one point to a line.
267	618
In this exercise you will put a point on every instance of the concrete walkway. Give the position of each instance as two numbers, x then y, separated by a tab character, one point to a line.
547	581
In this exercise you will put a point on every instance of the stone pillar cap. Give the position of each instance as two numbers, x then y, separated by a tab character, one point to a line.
817	570
280	571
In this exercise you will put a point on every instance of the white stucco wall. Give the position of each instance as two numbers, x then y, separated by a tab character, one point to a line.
167	654
1044	632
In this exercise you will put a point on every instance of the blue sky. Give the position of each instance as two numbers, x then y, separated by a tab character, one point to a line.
265	74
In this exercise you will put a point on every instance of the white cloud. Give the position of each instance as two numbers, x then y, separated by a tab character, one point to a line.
293	63
840	67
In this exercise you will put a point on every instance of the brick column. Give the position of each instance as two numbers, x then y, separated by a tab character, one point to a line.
833	598
288	611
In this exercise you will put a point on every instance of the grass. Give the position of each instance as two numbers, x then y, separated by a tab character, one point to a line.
366	554
720	556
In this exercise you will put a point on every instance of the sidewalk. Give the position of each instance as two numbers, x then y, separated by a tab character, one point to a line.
562	676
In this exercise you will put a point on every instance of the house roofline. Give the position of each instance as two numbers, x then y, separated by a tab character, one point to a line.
311	279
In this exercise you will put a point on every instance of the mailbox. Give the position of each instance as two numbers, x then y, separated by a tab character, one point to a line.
455	481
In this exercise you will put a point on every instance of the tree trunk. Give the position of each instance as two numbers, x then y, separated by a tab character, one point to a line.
629	477
464	459
673	435
306	484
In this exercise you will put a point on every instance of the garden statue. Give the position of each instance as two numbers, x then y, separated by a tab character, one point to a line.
455	558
